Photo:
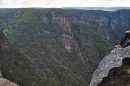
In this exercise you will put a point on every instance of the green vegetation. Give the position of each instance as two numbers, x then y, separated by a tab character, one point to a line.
22	69
38	55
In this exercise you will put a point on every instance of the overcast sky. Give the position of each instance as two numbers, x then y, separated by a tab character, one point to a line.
63	3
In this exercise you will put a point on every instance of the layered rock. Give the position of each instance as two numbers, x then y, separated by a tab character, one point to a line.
113	70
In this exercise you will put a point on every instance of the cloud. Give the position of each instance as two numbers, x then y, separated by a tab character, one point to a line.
63	3
1	1
11	3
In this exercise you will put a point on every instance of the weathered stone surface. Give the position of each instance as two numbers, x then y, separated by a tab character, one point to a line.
113	60
5	82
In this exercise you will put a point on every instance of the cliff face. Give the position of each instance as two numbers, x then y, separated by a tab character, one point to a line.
114	69
67	45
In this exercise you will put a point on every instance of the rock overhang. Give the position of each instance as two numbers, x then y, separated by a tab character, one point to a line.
112	60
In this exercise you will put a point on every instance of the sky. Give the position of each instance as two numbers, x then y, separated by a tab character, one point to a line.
63	3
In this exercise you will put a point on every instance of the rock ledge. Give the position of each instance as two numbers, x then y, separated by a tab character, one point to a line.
114	59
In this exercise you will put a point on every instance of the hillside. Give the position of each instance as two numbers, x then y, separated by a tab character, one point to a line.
20	67
66	45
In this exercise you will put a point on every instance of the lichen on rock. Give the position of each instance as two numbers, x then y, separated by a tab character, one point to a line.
112	63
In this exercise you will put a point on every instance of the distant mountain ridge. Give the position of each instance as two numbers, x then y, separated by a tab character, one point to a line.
99	8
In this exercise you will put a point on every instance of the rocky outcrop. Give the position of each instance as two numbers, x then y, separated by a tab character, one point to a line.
114	69
6	82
